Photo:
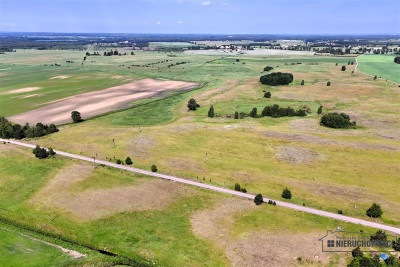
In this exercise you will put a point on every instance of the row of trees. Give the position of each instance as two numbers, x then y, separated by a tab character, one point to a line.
336	120
13	130
276	111
277	78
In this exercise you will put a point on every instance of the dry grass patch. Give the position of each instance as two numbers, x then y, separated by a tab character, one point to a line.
297	155
22	90
93	204
141	145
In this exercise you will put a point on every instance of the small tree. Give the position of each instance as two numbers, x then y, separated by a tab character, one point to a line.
396	244
374	211
51	152
267	95
302	82
128	161
379	236
119	161
237	187
236	116
211	112
319	110
243	190
192	104
258	199
153	168
40	153
253	113
328	84
336	64
375	77
76	116
343	68
357	252
286	193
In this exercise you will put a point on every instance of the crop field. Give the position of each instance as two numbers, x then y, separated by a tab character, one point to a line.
381	66
160	222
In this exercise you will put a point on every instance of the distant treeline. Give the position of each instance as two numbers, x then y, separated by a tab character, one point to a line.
13	130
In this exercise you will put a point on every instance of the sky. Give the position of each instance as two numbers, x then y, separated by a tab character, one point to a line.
202	16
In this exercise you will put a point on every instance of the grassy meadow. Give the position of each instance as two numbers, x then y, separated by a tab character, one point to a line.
163	223
381	66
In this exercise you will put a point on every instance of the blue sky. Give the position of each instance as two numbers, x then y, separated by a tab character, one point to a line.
202	16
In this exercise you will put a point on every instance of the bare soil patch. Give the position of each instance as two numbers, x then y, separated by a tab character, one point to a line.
321	140
93	204
98	102
254	248
60	77
21	90
185	165
141	145
297	155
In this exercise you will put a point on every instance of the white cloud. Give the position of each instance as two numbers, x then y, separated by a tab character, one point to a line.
206	3
224	4
158	22
7	24
179	22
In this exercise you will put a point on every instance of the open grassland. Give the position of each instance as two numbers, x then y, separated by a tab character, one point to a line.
184	226
326	169
380	65
150	220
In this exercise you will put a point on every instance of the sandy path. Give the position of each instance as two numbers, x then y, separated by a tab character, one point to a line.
98	102
224	190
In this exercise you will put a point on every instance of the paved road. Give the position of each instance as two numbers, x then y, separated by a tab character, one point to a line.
223	190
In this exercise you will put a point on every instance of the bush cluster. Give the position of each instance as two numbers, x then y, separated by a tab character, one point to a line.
277	78
336	120
42	153
13	130
276	111
239	188
258	199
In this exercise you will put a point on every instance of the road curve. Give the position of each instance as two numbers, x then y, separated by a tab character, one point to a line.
222	190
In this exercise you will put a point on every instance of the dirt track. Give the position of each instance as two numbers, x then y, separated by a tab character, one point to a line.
98	102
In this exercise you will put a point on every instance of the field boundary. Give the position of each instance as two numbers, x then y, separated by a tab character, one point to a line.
220	189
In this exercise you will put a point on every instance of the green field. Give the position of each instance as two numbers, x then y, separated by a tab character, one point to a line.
178	225
381	66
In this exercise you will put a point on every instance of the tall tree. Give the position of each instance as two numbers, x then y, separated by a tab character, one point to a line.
211	112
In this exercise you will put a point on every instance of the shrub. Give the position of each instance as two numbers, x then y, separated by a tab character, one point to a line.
76	116
268	68
319	110
375	77
397	59
328	84
243	190
340	211
302	82
270	202
379	236
153	168
40	152
236	116
274	203
374	211
267	95
286	193
253	113
119	161
258	199
277	78
237	187
357	252
211	112
396	244
192	104
51	152
335	120
128	161
343	68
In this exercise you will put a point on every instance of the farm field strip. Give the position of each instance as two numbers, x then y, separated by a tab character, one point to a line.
223	190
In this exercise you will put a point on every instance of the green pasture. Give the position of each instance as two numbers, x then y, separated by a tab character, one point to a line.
381	66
